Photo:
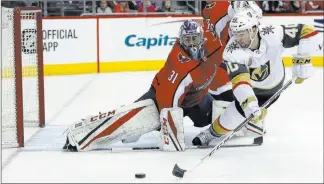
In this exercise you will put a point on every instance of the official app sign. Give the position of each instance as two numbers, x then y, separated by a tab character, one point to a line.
69	41
52	37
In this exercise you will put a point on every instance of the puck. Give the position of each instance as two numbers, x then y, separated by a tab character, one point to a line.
139	175
258	140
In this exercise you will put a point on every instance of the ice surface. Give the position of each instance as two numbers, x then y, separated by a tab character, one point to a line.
292	149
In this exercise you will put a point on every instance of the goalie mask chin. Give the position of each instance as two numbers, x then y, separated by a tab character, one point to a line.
196	52
192	39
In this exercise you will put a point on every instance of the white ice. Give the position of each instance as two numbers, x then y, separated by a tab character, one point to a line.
292	149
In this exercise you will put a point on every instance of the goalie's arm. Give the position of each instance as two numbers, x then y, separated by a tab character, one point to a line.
172	89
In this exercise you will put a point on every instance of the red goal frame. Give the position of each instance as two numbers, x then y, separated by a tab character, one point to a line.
18	73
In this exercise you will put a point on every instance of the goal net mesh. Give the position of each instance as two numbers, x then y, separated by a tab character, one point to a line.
29	79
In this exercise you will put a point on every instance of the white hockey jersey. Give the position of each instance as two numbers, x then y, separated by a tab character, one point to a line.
263	69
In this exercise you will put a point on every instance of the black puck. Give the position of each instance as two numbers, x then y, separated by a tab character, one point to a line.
139	175
177	171
258	140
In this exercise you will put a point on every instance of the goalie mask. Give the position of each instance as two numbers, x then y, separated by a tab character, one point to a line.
192	39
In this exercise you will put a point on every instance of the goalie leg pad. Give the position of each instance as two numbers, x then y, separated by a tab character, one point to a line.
106	128
172	130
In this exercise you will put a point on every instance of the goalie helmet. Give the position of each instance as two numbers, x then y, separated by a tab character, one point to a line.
191	37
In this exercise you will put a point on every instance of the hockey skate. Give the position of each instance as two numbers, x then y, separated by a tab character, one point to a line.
205	137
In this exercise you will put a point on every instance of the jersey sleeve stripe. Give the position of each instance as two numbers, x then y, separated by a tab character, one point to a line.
181	89
307	31
243	78
309	34
240	83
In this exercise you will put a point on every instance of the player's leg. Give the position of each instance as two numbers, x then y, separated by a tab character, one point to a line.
229	120
201	114
221	90
150	94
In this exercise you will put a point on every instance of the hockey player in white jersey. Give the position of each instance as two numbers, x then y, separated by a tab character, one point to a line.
254	62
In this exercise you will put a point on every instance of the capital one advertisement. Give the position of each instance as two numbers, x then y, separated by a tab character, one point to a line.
137	39
141	39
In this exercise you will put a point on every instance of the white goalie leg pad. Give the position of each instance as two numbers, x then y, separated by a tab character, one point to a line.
172	130
106	128
131	139
219	108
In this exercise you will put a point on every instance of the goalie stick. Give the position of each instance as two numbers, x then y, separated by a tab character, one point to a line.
179	172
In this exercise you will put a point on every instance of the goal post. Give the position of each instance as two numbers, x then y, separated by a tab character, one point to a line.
22	78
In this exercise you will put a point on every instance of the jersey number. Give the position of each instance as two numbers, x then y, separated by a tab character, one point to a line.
231	67
291	30
173	76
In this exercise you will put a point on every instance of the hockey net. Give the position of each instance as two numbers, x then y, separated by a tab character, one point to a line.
22	81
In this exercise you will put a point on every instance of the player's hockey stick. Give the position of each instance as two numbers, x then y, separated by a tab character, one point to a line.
179	172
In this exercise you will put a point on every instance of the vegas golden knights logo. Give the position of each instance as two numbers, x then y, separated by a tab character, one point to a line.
261	73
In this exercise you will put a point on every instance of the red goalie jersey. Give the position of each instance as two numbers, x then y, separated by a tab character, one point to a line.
182	82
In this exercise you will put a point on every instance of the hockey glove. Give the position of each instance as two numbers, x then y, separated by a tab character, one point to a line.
302	68
251	107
